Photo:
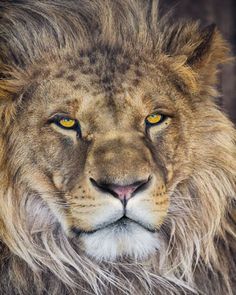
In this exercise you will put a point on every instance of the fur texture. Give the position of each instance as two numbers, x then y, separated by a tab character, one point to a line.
110	64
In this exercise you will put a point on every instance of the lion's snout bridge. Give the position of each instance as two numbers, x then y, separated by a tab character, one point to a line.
111	160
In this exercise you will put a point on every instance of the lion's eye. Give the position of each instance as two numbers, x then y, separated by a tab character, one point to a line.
154	119
67	123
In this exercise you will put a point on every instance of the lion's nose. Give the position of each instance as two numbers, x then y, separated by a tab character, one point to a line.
122	192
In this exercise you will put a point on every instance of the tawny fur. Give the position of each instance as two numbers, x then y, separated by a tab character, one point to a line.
43	46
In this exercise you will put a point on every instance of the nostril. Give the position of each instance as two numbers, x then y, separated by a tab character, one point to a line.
123	192
102	186
142	185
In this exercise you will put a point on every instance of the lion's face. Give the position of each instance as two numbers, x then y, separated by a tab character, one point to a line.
117	168
90	148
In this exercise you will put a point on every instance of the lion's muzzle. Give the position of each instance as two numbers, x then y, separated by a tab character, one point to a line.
121	181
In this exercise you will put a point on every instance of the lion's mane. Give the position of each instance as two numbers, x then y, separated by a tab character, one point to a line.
198	253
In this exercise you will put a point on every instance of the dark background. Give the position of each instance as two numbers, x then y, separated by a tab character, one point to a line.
222	13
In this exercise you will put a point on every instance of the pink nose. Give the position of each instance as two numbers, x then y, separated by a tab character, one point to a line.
124	192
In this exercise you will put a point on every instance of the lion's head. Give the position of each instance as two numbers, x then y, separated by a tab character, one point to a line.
113	149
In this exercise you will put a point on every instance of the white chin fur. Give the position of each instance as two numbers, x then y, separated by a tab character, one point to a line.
113	242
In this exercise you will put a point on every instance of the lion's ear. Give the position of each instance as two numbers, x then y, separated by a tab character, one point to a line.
211	51
204	49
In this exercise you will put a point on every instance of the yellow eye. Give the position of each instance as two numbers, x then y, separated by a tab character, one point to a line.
154	118
67	122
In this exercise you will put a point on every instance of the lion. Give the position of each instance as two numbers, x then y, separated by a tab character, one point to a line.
117	166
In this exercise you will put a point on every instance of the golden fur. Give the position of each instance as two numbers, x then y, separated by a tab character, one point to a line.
110	64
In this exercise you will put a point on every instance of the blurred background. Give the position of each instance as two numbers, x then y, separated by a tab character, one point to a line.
222	13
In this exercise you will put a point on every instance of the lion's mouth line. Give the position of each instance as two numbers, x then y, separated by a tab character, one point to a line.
121	222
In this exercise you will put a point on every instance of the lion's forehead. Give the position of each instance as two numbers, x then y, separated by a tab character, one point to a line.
98	88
